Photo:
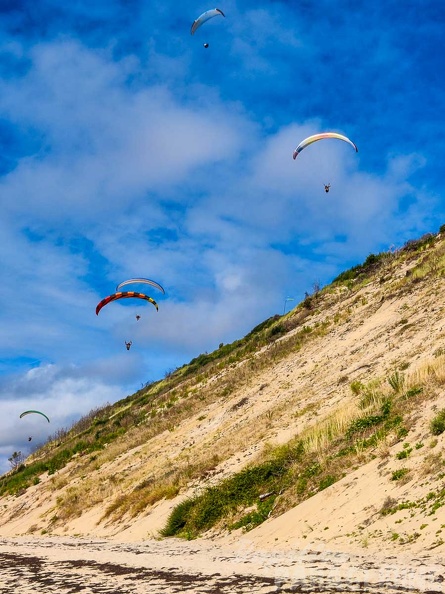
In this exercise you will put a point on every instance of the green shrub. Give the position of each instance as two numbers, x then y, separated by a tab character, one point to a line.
371	264
363	423
242	489
404	453
356	387
414	391
396	381
437	424
308	302
277	330
398	474
401	431
326	482
178	518
255	517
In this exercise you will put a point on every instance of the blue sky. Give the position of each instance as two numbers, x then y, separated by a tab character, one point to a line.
128	149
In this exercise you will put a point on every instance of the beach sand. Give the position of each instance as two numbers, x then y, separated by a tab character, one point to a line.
68	565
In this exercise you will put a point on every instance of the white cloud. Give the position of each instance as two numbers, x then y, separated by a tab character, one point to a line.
179	168
105	143
63	394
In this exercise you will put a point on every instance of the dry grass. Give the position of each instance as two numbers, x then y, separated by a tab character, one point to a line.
384	449
318	438
57	483
430	374
77	499
149	491
432	464
136	502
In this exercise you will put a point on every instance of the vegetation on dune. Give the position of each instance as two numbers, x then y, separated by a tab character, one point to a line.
308	464
371	264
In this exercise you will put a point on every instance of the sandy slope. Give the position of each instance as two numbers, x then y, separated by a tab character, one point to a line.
372	332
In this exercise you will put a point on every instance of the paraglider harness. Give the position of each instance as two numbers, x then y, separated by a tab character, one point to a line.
128	345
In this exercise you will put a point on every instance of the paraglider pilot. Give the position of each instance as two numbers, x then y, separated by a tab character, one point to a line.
128	345
327	187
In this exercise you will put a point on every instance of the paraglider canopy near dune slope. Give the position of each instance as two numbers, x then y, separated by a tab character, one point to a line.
207	15
124	295
144	281
36	412
310	139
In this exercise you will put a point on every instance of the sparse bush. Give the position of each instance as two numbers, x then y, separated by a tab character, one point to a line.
399	474
326	482
437	424
396	381
256	517
371	264
308	302
388	505
16	460
414	391
363	423
415	245
404	453
277	330
356	387
402	432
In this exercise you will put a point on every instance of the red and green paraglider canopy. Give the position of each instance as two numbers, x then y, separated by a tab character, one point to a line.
124	295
